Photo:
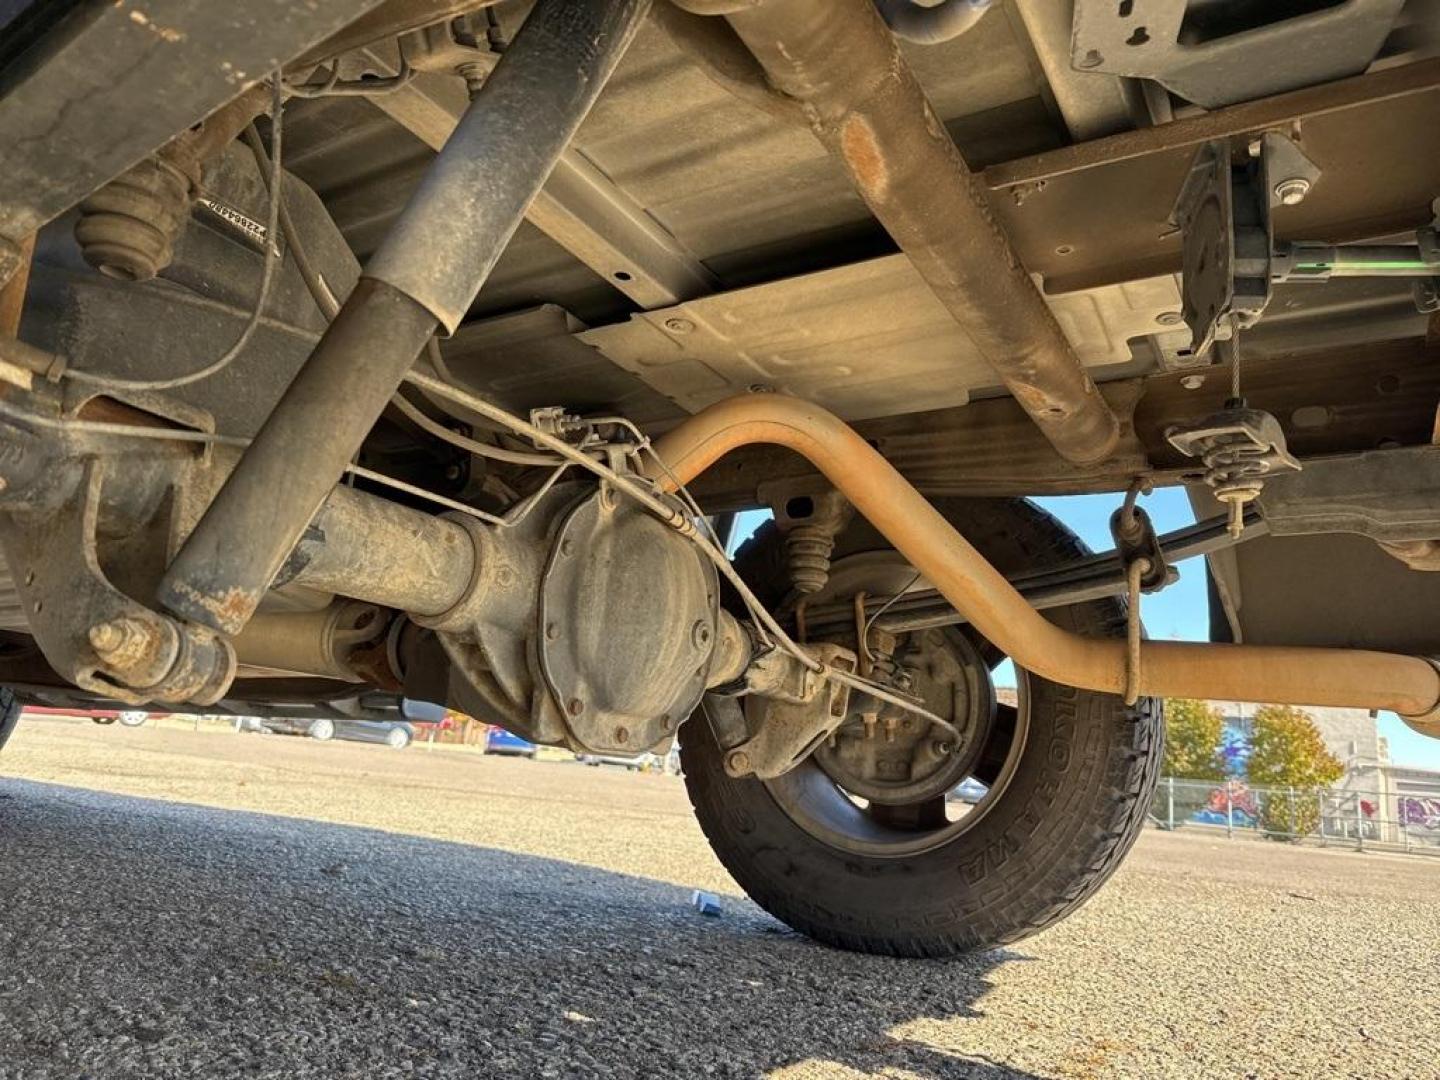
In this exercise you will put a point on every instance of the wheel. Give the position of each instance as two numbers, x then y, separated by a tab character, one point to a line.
103	721
133	719
10	709
865	854
323	729
397	739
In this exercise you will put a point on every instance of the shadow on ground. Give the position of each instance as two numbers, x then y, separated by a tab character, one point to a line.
147	938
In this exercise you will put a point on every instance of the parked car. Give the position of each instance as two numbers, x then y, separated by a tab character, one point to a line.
646	762
396	734
126	717
969	791
500	741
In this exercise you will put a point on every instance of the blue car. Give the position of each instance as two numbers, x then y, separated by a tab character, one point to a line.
500	741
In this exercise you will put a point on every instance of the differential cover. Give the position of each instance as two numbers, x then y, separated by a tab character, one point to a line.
628	609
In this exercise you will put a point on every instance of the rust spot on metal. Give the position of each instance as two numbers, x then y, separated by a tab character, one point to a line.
372	662
1037	402
862	153
231	609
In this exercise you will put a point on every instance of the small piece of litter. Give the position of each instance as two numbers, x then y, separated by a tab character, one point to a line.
705	903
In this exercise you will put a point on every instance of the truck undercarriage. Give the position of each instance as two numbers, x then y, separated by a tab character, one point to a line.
428	348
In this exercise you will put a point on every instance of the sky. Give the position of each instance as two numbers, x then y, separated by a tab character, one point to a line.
1179	612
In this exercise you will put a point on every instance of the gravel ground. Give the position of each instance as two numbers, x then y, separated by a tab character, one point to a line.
341	910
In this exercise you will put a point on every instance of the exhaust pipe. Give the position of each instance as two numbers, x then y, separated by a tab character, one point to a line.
1282	674
840	62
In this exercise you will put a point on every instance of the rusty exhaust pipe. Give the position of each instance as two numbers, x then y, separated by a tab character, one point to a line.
1282	674
839	61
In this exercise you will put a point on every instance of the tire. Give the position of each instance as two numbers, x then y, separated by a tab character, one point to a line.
1072	804
397	739
323	729
133	719
10	709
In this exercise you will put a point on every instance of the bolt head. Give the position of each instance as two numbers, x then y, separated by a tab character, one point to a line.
737	762
1169	318
107	637
1192	382
679	326
575	706
1292	190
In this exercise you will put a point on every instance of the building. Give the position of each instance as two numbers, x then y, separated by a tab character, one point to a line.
1352	735
1417	802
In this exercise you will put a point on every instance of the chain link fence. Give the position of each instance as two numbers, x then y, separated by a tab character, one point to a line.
1391	821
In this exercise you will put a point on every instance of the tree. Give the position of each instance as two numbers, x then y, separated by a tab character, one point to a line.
1192	740
1287	752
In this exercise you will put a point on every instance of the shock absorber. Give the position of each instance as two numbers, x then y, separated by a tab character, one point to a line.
424	276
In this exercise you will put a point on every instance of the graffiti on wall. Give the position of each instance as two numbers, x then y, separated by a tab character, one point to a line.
1235	745
1420	812
1231	803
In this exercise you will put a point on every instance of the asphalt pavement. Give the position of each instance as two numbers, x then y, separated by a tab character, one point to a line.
456	915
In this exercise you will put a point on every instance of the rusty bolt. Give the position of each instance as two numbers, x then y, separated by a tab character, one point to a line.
124	642
575	706
1292	190
737	762
107	637
118	635
622	735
